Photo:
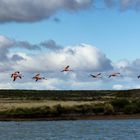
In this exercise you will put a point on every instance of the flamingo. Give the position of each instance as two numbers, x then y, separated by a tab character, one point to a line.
114	74
38	77
16	75
95	76
67	68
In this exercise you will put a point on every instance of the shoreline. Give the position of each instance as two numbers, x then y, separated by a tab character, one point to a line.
69	118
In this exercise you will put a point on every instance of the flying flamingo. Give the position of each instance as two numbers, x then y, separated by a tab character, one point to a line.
95	76
16	75
114	75
67	68
38	77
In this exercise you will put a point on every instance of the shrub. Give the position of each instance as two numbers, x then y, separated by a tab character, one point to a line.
119	104
108	109
98	109
131	109
84	109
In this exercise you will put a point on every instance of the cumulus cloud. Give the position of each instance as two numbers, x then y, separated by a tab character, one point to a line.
8	44
7	61
128	68
81	58
49	59
36	10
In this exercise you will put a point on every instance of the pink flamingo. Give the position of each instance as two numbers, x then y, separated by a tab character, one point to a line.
114	75
38	77
67	68
95	76
16	75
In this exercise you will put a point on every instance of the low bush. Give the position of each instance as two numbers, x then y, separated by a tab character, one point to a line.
108	109
119	104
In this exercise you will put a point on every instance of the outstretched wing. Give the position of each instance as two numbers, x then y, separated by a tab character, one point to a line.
93	75
117	73
67	67
11	75
16	72
98	74
20	76
62	70
37	75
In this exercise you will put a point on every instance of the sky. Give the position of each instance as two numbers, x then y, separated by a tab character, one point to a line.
44	36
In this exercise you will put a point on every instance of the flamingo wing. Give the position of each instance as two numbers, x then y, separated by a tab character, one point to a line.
11	75
62	70
33	77
37	75
117	73
20	77
93	75
16	72
98	74
67	67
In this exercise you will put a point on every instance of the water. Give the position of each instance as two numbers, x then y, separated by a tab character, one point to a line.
71	130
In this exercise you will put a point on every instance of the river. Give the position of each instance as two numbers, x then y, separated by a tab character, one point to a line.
71	130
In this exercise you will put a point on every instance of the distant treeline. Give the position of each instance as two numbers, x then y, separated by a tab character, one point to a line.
71	95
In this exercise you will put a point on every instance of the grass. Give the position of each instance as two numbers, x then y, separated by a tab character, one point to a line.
9	104
30	103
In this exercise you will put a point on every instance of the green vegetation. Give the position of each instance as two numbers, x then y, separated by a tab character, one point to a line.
84	95
68	103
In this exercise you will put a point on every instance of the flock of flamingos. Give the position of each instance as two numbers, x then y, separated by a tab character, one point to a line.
37	77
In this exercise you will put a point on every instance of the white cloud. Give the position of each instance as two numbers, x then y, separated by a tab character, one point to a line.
118	87
122	64
83	59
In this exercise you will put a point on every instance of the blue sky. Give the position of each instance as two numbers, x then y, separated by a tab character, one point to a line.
109	31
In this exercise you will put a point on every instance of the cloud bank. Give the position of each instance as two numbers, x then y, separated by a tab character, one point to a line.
36	10
80	57
49	58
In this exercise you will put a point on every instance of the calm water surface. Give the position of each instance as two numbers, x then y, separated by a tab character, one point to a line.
71	130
